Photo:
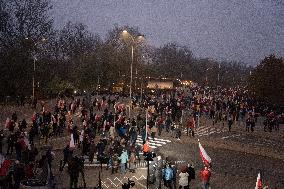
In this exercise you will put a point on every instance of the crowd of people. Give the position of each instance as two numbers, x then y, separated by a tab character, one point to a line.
104	131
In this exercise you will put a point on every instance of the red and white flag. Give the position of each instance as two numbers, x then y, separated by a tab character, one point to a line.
205	158
258	184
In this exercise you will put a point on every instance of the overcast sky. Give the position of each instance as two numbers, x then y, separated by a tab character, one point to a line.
241	30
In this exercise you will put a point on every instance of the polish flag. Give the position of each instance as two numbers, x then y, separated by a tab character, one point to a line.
72	143
258	184
205	158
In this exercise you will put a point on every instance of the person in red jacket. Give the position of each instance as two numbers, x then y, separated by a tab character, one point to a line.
190	126
205	175
146	148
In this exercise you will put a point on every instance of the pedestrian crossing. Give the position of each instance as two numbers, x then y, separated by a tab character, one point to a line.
143	164
206	130
157	142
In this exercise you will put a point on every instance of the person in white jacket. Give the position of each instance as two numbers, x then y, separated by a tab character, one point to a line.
183	180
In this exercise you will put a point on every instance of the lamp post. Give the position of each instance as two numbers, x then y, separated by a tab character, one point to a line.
133	39
219	66
206	77
34	77
34	62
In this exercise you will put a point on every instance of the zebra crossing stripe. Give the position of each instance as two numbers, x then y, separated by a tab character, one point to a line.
151	146
204	131
151	143
201	129
157	139
164	140
150	140
159	142
94	165
208	133
220	130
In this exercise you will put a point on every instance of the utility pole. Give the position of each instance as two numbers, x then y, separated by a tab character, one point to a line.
219	73
141	92
135	79
34	78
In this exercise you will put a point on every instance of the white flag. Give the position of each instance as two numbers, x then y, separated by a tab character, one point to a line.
72	143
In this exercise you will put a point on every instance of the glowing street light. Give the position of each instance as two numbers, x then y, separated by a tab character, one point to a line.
133	38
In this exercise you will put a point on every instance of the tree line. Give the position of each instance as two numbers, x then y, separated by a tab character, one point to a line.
75	58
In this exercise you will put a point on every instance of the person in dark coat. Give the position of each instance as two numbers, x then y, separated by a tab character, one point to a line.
100	148
73	170
23	125
191	172
18	174
14	117
49	155
67	154
92	151
11	140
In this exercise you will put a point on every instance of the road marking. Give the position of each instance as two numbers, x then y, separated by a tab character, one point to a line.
158	142
156	139
151	140
151	143
231	136
111	182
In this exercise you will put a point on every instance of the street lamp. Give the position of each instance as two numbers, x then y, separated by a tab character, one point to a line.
35	59
206	77
219	66
133	39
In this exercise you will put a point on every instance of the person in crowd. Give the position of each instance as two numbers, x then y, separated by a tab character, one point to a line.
205	176
67	154
248	123
11	140
190	126
168	176
252	123
183	178
92	150
117	134
146	148
73	170
50	157
230	121
132	162
123	161
153	132
191	172
18	174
